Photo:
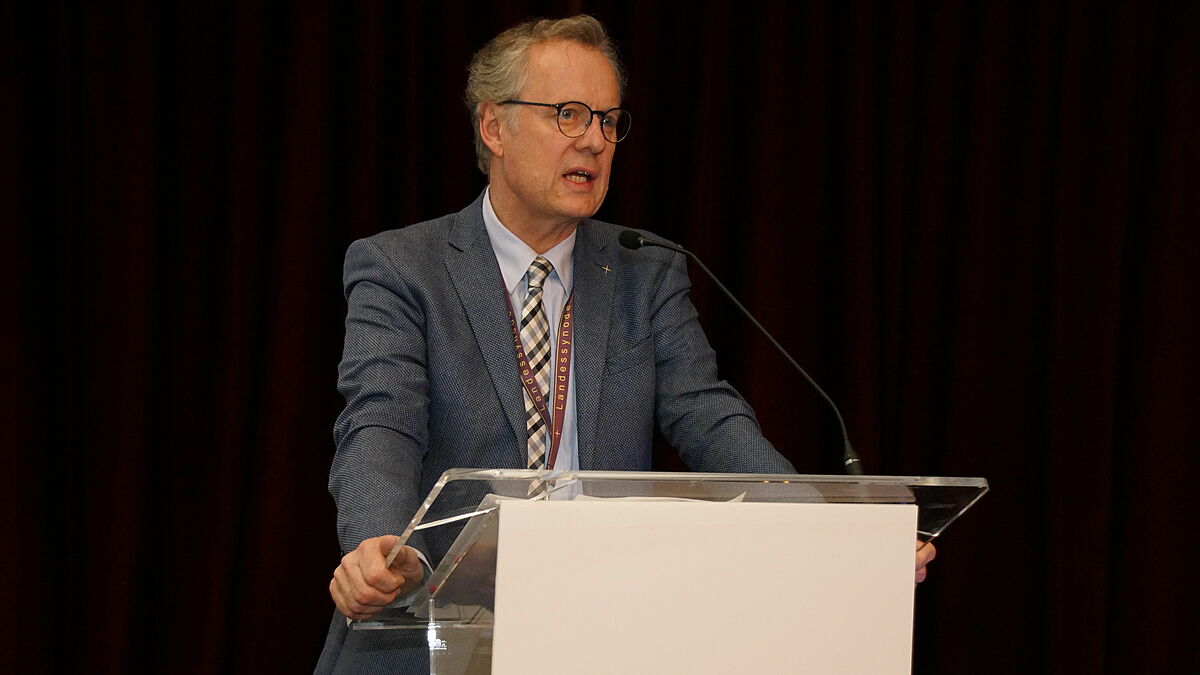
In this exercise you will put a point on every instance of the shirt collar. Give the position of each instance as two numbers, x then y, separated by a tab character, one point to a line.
515	256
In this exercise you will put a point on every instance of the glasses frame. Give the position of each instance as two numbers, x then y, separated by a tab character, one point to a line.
587	125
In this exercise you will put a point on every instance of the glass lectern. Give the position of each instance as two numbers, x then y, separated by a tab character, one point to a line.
460	526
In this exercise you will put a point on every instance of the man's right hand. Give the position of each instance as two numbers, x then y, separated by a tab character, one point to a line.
363	583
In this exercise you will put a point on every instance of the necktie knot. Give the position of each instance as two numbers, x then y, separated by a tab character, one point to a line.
539	269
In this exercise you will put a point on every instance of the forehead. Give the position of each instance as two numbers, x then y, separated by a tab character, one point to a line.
562	70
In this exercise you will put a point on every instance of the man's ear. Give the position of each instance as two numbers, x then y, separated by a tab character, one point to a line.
489	128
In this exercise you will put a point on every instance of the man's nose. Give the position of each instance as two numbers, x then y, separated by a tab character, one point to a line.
593	139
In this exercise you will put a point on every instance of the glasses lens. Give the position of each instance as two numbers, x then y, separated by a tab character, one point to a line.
573	119
616	125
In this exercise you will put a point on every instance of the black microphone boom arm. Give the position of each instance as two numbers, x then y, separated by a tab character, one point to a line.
632	240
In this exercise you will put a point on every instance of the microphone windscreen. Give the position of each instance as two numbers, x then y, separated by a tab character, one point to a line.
630	239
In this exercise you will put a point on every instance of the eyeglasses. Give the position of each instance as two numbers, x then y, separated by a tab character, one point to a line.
574	118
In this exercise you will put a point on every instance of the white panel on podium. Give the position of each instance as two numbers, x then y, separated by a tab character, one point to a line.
631	586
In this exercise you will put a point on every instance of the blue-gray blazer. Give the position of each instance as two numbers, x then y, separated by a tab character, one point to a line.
429	371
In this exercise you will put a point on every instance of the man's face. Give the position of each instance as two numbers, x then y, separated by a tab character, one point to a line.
539	177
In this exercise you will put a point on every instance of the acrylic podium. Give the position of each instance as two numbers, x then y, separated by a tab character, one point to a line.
647	572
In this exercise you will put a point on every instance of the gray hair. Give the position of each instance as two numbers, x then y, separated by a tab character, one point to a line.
499	71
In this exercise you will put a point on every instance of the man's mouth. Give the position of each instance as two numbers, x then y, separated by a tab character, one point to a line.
579	176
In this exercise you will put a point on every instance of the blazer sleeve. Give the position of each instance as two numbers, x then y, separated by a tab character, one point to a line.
382	433
699	414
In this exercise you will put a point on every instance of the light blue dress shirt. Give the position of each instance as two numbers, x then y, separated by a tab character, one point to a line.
514	258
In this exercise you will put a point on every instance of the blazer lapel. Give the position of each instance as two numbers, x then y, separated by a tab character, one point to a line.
471	264
595	277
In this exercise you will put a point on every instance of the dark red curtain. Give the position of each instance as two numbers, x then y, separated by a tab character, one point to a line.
975	223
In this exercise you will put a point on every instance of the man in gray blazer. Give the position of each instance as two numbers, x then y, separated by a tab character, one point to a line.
430	370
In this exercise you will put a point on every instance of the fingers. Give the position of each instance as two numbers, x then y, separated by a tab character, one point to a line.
408	565
347	600
372	564
363	584
921	574
926	552
354	594
406	560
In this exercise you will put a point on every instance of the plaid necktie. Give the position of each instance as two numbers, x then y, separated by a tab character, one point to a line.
536	338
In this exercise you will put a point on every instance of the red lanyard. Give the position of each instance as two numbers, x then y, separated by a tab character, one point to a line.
560	375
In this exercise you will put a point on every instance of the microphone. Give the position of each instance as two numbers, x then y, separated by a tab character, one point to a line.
632	240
